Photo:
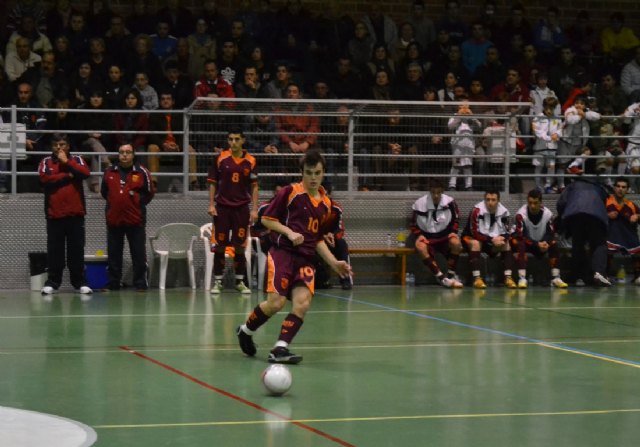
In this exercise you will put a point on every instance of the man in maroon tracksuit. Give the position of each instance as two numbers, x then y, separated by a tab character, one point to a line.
127	187
61	175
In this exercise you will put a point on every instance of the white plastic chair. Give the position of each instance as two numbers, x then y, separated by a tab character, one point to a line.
175	241
205	235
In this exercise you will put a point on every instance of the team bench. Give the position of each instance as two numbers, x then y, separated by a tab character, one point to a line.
399	252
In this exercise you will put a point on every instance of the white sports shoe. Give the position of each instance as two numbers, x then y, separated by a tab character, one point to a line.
637	281
522	283
446	282
217	287
85	290
600	281
48	290
240	287
559	283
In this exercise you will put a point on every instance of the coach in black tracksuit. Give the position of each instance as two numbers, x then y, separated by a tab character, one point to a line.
127	187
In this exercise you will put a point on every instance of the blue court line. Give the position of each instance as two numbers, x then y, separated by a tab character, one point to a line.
545	344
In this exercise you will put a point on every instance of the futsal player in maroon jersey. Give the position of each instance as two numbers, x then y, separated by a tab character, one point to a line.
295	218
233	185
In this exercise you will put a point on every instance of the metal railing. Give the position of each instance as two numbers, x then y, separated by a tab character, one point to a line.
381	145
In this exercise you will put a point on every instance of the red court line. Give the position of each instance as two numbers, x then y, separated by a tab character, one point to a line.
235	397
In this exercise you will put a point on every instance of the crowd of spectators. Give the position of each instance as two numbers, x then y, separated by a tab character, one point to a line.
101	58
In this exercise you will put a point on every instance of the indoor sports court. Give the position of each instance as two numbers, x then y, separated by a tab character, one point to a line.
383	366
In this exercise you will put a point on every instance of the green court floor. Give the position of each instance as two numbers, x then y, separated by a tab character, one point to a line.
383	366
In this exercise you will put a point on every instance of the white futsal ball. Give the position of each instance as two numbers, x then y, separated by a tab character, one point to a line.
276	379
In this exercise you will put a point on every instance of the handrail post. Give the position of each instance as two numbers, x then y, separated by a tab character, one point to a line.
13	145
185	152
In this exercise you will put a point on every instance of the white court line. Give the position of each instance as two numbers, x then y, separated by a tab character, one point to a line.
367	311
234	348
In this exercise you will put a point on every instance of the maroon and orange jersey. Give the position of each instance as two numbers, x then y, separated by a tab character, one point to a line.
233	178
296	209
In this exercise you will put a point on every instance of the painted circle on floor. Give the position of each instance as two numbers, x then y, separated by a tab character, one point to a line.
30	428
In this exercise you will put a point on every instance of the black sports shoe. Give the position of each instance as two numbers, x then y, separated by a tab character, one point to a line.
246	342
282	355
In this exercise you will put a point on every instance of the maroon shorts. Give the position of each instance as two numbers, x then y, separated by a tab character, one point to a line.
286	269
230	225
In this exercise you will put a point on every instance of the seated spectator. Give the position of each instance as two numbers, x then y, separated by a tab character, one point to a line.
298	130
22	59
143	61
118	41
189	66
78	36
94	140
515	25
334	143
630	78
34	122
360	47
229	62
27	29
47	81
412	86
129	123
452	64
381	27
407	35
276	88
453	23
321	90
258	59
529	65
168	139
202	45
563	75
424	27
380	61
64	58
414	54
179	86
381	89
250	86
148	93
141	20
178	17
513	86
58	17
99	17
492	71
618	41
548	35
447	93
83	82
609	93
99	60
163	44
213	82
115	88
475	48
344	81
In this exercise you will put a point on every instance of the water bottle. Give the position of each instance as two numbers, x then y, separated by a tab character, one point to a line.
621	276
409	280
388	240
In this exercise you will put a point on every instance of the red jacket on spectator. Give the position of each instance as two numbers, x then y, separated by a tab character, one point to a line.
126	203
517	93
220	87
62	183
298	128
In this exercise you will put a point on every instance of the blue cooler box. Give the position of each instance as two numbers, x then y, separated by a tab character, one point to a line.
96	271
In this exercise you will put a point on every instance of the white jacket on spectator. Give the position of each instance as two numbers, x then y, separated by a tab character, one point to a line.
543	127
